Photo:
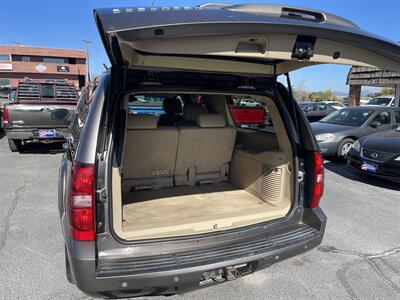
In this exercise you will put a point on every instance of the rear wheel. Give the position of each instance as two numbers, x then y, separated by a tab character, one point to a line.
344	147
15	145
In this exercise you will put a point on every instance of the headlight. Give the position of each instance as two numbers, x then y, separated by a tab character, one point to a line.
356	146
325	137
397	158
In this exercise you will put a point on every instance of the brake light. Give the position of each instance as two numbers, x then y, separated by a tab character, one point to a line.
318	180
5	115
81	202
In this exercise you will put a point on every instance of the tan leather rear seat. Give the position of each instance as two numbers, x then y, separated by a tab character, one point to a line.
204	152
149	154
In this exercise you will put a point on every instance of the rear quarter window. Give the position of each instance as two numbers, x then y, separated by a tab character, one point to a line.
79	119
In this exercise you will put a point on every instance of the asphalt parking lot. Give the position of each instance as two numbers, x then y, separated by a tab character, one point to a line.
359	257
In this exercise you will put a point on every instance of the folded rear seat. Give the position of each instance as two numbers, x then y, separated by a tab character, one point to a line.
149	154
204	151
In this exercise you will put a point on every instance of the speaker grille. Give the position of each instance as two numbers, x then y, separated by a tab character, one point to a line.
271	183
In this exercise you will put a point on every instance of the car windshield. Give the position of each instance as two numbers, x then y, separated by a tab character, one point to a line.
379	101
349	117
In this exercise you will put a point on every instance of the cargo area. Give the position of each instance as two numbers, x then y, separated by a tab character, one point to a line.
197	172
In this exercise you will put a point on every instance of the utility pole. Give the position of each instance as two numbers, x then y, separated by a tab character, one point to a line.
87	43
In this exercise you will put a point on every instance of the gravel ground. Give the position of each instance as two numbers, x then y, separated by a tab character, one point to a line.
359	257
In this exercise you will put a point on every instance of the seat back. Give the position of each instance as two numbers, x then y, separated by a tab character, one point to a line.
205	151
149	154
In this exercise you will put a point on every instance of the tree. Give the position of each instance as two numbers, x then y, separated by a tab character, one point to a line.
323	95
300	91
387	91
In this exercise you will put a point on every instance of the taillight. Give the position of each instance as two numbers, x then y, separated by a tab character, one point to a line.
81	202
318	180
5	115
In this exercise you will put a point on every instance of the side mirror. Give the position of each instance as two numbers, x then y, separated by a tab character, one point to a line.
375	124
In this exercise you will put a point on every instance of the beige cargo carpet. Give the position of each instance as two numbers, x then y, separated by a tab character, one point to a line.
188	210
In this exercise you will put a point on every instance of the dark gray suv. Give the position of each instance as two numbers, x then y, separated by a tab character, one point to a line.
161	203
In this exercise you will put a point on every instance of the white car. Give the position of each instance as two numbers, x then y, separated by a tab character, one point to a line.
382	101
249	103
335	104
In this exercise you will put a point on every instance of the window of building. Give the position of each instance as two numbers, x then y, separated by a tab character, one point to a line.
5	83
5	57
72	60
53	60
26	58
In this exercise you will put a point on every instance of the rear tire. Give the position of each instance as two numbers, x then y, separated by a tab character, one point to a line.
15	145
344	148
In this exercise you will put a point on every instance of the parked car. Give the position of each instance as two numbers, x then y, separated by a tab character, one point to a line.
378	154
249	103
40	113
382	101
335	104
315	111
337	132
148	209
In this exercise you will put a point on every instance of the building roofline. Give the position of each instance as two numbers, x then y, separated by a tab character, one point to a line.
81	53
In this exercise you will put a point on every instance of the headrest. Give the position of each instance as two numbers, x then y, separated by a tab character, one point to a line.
210	120
142	122
191	111
172	106
215	103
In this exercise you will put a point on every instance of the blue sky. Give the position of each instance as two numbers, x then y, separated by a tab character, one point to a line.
64	23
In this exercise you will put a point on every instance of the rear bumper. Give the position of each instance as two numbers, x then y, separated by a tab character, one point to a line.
384	170
182	272
29	134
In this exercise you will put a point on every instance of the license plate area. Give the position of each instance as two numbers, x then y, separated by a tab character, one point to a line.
227	274
46	133
368	167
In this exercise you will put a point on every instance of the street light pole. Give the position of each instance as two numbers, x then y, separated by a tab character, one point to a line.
87	59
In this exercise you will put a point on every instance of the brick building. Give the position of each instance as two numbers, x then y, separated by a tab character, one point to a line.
19	62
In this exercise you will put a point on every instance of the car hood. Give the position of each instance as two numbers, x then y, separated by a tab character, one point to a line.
248	39
319	128
385	141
